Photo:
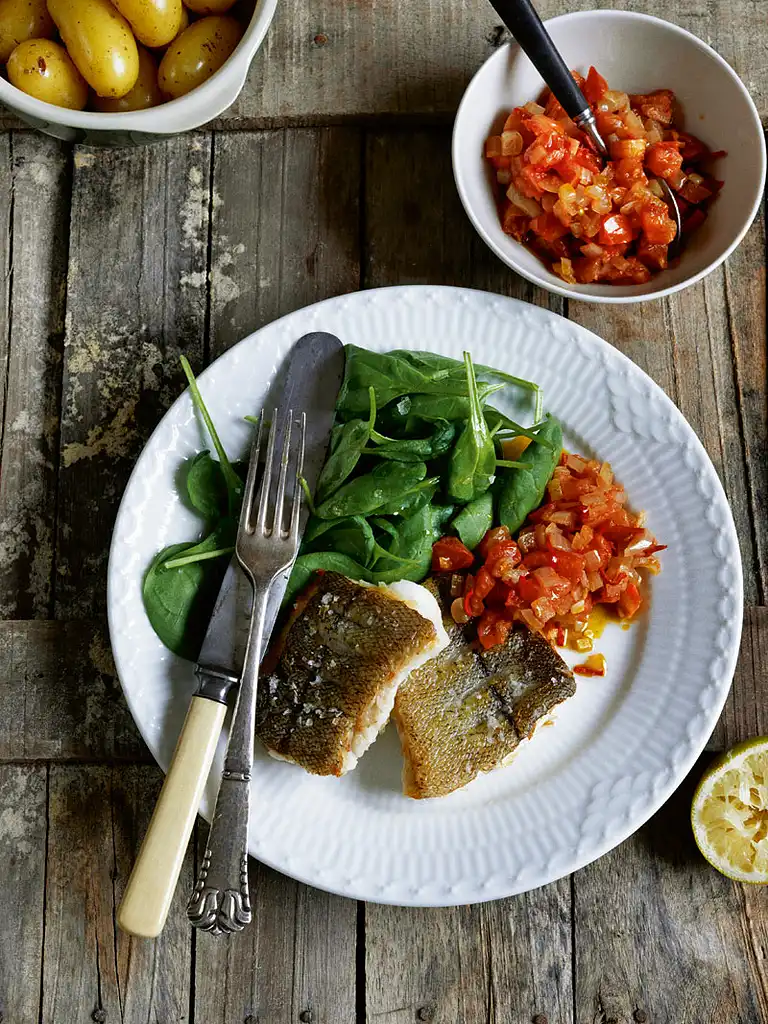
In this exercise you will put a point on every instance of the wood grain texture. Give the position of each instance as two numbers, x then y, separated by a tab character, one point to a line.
297	957
503	961
285	229
327	62
60	698
22	855
40	176
657	930
96	815
139	231
746	711
6	216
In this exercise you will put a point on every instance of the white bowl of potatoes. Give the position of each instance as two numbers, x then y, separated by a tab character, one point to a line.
116	72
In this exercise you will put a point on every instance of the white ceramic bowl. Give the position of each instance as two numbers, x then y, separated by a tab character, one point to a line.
635	53
141	126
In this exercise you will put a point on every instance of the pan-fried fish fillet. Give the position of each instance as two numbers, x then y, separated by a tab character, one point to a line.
340	660
466	710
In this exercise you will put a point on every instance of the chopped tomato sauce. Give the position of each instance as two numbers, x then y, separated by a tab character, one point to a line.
581	548
595	220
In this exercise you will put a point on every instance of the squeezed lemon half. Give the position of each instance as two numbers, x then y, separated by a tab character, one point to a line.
729	812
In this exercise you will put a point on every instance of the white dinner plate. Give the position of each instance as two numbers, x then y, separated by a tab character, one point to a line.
616	750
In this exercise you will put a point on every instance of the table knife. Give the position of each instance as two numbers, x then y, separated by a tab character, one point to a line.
312	378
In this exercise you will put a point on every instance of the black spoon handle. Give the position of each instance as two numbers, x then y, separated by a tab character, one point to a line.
523	22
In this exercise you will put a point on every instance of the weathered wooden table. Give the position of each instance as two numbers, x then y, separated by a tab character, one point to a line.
331	173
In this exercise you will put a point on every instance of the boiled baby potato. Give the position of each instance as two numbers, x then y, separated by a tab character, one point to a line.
154	22
196	54
100	42
146	93
21	20
210	6
43	69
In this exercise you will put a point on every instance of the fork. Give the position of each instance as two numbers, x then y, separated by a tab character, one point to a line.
220	901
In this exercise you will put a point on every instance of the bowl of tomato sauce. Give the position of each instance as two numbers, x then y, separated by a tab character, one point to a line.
598	229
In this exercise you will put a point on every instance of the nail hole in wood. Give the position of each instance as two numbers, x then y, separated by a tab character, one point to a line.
320	39
425	1013
305	1017
99	1016
640	1016
540	1018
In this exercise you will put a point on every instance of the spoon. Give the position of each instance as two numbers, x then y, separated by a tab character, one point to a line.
524	23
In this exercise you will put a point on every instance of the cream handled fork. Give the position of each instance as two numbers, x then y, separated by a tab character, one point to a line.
265	549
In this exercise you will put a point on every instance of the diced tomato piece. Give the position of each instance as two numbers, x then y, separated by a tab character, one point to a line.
603	547
494	536
588	159
595	87
694	192
655	105
694	150
615	230
547	151
450	555
473	606
502	557
548	227
484	583
513	221
653	255
628	171
552	106
664	159
540	124
530	589
630	601
493	628
658	227
568	564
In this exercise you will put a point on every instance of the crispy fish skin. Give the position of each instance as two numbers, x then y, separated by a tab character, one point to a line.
466	711
332	687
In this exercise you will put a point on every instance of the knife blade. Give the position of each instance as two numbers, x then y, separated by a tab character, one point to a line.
309	382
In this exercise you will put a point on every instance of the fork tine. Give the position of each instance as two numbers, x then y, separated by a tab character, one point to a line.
296	508
266	480
250	483
277	518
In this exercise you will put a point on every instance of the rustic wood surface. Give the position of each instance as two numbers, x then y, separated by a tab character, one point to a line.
330	173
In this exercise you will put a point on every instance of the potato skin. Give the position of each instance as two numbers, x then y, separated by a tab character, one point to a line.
154	22
145	94
197	53
43	69
100	42
21	20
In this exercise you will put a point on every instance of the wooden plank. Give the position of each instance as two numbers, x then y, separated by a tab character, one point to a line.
6	217
30	442
154	974
60	698
287	234
745	296
96	815
416	231
22	854
327	62
508	960
285	226
139	230
746	711
296	961
661	937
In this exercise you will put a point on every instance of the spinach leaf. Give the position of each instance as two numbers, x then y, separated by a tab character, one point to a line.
207	486
473	462
390	375
416	449
408	553
331	561
474	520
500	423
520	491
233	482
410	499
431	362
351	536
347	444
179	601
368	493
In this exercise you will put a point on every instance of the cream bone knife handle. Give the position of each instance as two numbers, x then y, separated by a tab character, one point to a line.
144	906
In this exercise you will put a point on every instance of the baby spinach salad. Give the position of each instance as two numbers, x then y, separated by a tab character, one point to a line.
416	452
